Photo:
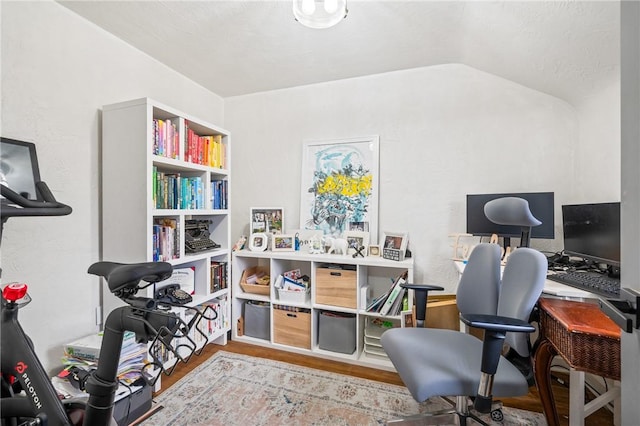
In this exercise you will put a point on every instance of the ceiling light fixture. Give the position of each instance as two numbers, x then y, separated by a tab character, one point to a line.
319	13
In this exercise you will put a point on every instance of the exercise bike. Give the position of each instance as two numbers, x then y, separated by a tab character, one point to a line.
28	395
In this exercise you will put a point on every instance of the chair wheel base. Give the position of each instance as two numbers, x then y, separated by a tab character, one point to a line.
497	416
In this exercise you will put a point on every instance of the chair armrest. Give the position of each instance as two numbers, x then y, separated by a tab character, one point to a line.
426	287
421	293
497	323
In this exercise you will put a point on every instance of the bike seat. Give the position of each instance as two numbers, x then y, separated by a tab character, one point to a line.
121	276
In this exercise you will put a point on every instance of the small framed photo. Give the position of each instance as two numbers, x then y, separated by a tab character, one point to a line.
374	250
394	245
283	242
258	241
268	220
357	242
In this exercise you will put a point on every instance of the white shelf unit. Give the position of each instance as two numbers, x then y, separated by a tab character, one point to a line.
129	168
374	276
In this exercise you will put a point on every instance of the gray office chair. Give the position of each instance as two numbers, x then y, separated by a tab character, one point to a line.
448	363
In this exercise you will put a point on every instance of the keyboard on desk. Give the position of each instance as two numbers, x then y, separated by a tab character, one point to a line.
593	282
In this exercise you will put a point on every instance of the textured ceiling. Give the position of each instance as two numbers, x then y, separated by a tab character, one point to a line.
566	49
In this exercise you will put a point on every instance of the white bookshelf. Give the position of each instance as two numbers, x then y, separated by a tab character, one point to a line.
129	209
374	275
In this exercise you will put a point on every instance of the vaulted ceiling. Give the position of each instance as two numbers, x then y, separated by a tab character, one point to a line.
568	49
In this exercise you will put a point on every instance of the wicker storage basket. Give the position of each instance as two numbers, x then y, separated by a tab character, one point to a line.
595	349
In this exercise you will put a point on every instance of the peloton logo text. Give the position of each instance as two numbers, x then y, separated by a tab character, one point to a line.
21	368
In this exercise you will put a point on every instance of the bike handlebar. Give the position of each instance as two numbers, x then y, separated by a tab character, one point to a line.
25	207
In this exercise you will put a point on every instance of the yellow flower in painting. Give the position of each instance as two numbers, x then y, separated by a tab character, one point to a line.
344	185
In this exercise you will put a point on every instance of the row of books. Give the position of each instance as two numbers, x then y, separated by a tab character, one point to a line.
166	239
207	150
393	301
218	276
166	139
219	190
173	191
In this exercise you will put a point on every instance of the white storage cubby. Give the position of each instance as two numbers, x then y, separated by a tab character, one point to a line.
373	276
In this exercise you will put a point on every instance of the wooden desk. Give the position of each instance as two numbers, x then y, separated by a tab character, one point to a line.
589	341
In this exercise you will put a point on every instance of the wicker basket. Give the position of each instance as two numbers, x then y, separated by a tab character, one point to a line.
590	352
254	288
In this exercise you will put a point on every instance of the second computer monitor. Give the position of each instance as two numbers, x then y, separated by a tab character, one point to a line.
592	231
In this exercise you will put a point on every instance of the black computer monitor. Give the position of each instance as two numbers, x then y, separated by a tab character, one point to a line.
541	205
19	167
592	232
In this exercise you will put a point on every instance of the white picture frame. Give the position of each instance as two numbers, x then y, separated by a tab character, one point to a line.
394	245
283	242
339	185
258	241
268	220
356	240
374	250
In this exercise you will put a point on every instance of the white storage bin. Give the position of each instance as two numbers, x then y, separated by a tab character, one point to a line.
293	296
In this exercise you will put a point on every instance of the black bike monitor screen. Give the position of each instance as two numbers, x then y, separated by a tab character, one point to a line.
19	167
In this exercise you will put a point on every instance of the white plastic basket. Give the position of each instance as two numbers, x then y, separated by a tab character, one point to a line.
293	296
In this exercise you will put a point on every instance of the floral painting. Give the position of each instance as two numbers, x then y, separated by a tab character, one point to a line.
340	186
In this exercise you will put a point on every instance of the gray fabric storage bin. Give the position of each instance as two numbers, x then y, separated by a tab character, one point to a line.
256	320
337	332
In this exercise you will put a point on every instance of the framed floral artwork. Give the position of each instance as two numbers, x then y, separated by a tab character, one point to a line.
339	186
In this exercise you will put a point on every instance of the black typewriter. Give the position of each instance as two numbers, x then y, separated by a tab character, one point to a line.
196	238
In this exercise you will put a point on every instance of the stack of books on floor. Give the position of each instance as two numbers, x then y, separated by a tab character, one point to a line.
85	353
133	396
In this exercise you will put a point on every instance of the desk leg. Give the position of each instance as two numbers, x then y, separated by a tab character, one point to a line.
542	370
576	398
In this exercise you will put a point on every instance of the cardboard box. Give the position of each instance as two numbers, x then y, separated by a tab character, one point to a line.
336	287
442	312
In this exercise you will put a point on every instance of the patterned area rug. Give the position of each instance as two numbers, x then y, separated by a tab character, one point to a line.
234	389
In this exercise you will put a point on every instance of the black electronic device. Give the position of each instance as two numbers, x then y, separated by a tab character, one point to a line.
172	294
19	168
594	282
592	232
197	236
541	205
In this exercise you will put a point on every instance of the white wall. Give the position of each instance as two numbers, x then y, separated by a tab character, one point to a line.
57	72
597	156
445	131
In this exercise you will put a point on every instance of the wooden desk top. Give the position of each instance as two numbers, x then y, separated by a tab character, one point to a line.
581	317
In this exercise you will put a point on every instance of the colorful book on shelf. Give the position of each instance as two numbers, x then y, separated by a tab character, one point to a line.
218	276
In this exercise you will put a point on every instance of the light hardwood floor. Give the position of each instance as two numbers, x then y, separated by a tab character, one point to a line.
530	402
